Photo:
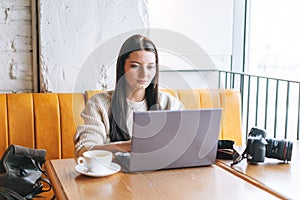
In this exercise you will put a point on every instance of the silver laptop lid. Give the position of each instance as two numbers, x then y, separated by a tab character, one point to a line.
173	139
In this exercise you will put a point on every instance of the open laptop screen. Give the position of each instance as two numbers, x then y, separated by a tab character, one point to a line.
172	139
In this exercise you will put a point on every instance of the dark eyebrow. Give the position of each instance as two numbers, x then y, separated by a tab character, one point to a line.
132	61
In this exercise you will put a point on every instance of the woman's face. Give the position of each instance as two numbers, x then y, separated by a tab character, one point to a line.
140	69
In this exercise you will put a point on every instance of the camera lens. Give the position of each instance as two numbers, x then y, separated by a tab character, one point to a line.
279	149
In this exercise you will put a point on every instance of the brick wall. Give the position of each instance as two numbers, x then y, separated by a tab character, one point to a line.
16	65
61	50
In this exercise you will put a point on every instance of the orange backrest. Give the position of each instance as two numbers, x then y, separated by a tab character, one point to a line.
41	120
71	105
49	120
227	99
88	94
20	118
3	124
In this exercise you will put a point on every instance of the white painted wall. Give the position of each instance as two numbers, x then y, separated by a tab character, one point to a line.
73	47
71	30
73	34
16	65
207	24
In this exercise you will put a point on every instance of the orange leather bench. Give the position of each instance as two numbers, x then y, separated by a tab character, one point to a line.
49	120
227	99
40	120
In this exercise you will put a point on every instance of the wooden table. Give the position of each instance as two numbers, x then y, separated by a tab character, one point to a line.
283	180
211	182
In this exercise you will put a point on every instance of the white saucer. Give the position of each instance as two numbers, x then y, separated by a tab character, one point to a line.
113	168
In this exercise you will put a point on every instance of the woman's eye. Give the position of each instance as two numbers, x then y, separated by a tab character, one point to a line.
135	66
139	66
151	67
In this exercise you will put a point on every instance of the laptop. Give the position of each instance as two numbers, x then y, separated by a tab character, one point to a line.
172	139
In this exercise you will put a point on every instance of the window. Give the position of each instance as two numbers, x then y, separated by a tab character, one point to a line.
273	38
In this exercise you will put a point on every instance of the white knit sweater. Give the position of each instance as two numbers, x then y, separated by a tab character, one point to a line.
95	130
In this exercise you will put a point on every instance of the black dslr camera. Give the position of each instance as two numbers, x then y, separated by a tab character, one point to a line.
258	147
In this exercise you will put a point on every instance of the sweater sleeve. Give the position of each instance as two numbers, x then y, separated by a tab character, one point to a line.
95	129
168	102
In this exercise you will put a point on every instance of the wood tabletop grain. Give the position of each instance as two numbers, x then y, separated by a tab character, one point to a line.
209	182
273	175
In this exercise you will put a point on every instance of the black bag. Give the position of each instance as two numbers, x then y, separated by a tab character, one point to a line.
21	173
226	151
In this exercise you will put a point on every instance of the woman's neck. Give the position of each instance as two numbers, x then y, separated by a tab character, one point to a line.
136	95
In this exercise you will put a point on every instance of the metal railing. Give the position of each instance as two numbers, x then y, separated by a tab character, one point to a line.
269	103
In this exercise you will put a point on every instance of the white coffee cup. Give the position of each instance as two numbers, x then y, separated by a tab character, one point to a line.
95	161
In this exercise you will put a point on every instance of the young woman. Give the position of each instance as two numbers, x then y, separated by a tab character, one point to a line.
108	116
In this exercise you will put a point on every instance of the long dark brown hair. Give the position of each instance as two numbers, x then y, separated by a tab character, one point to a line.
119	107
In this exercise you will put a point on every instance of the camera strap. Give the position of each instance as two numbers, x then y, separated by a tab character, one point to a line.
240	157
226	151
